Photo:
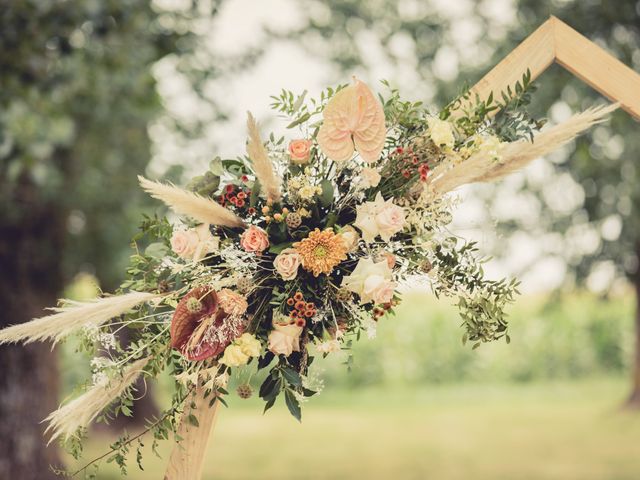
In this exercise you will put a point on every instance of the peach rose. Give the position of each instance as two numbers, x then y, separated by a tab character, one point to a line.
254	239
231	302
184	243
287	263
350	238
284	339
300	151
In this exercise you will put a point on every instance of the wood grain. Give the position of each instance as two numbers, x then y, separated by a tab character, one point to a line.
555	41
187	458
597	68
536	53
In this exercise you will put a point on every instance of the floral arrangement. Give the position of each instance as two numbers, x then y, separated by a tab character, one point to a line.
293	250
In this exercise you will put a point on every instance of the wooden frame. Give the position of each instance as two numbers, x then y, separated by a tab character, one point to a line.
553	41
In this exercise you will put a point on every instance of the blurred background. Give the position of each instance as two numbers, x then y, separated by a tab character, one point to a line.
94	92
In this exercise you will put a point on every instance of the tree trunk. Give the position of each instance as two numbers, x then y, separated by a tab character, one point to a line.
634	398
32	231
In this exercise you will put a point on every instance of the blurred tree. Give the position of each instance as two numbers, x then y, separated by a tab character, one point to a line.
584	212
599	219
76	97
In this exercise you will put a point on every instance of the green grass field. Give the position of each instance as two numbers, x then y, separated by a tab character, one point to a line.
551	430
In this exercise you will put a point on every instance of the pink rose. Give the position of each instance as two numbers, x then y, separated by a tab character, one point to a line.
254	239
287	263
184	243
378	288
299	151
284	339
390	220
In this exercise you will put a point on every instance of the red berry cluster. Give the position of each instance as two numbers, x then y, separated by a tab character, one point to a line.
237	196
379	311
410	164
300	310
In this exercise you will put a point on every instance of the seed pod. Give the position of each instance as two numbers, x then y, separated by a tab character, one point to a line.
244	391
293	220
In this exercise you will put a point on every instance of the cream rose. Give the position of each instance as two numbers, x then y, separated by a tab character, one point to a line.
184	243
378	288
249	345
284	339
254	239
371	281
441	132
390	220
350	238
287	263
379	217
369	177
300	151
234	356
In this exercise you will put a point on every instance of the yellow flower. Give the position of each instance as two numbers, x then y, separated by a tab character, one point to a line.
234	356
250	345
320	252
441	132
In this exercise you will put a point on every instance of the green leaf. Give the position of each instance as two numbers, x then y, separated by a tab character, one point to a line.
326	198
279	247
293	405
298	121
292	376
255	194
157	250
193	420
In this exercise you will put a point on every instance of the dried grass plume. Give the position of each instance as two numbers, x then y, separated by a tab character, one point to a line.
262	165
73	316
188	203
481	167
83	410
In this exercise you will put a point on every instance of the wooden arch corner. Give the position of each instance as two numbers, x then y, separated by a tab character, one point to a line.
555	41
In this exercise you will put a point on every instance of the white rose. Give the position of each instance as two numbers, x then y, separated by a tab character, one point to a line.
390	220
379	217
369	177
371	281
441	132
287	263
284	339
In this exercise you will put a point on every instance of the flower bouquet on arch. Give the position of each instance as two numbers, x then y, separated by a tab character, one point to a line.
295	249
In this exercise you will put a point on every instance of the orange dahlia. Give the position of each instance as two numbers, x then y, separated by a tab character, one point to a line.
320	252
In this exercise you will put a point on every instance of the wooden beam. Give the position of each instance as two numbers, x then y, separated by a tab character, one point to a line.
536	53
555	41
597	68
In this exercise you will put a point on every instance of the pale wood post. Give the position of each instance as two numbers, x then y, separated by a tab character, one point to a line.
187	457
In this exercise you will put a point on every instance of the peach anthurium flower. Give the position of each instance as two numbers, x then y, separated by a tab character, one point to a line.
353	120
